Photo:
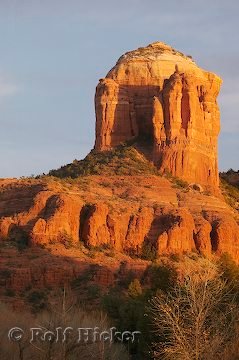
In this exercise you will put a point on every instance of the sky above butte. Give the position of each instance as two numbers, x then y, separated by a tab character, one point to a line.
54	51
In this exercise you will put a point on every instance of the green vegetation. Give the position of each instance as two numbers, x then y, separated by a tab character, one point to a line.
127	302
184	309
196	320
166	306
123	160
231	177
37	299
230	187
93	291
148	252
5	274
177	182
65	239
230	273
63	314
85	277
135	289
231	194
10	293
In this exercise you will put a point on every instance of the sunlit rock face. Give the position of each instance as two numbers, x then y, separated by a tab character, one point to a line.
160	95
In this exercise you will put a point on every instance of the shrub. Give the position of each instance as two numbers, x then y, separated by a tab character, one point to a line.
230	273
162	277
179	183
65	239
231	193
123	160
176	257
135	289
37	299
196	320
127	313
148	252
10	292
94	291
85	277
19	236
57	316
6	274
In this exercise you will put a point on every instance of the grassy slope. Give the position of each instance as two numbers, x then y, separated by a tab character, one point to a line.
230	187
124	160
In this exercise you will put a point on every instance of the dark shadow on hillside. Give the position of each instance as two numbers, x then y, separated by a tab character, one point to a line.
15	199
133	117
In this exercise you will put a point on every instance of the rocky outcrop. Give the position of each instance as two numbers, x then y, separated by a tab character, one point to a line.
58	221
202	236
145	213
159	95
225	235
119	215
36	214
95	229
138	228
178	231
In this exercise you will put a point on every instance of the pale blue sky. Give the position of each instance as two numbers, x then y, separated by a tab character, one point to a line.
54	51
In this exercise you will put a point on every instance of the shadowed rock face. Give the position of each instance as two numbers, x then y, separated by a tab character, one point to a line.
145	211
127	214
158	94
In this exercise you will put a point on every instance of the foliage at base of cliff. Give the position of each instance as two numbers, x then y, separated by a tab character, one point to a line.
231	177
230	187
124	160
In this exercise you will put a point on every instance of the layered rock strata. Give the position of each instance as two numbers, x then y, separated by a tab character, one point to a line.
176	223
161	97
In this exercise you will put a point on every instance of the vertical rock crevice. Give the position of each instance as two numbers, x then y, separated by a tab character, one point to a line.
158	94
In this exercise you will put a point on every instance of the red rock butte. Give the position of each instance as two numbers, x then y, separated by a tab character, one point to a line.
158	94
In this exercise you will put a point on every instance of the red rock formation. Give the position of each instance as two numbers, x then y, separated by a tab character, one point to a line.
95	231
177	236
202	236
58	221
225	236
37	212
168	219
160	94
138	228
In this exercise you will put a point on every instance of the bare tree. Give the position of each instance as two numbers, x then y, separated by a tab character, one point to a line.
196	321
64	314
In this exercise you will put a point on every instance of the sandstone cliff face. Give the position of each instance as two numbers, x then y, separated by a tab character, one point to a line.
160	94
145	211
121	214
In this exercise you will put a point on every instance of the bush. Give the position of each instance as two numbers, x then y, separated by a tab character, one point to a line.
148	252
230	273
5	274
162	277
19	236
65	239
57	316
123	160
231	193
94	291
37	299
128	313
179	183
135	289
85	277
10	293
196	320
